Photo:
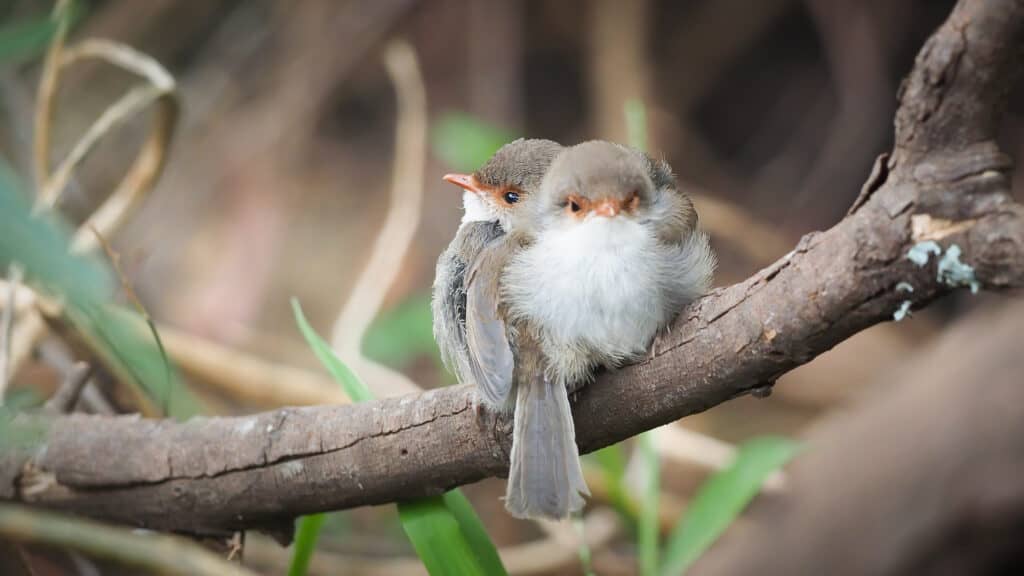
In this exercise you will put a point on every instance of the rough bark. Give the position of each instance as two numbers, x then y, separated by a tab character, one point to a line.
945	180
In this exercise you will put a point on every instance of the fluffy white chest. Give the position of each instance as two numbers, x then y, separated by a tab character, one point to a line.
594	286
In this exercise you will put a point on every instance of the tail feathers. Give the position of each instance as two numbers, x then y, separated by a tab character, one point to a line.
545	479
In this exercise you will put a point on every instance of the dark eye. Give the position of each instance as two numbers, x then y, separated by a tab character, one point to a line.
634	200
511	197
574	206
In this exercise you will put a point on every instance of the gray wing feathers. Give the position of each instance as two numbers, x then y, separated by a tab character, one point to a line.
490	355
449	294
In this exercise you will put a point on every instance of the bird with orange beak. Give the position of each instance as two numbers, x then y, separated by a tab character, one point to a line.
493	199
594	252
606	255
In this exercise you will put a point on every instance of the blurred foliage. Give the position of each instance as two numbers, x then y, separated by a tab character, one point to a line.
403	333
26	39
18	430
611	460
649	526
39	242
444	530
465	143
124	341
636	123
306	535
442	541
722	498
583	551
22	399
350	382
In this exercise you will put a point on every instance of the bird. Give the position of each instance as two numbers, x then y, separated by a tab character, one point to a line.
492	197
602	258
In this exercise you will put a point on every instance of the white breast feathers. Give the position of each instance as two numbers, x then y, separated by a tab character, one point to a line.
603	287
475	209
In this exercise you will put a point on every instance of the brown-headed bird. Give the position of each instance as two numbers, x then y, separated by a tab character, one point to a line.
492	198
594	265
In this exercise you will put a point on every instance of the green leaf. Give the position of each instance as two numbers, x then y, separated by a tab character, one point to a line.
26	39
465	143
357	391
352	384
22	399
584	552
444	530
20	431
402	334
40	244
474	531
636	123
125	342
722	498
648	529
612	462
305	542
438	539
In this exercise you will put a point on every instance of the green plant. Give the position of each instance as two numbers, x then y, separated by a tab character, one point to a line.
444	530
26	39
84	285
465	143
722	498
403	333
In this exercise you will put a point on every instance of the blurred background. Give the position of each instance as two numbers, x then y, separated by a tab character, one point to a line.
277	180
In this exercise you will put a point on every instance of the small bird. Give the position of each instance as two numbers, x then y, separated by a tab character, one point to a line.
606	255
492	197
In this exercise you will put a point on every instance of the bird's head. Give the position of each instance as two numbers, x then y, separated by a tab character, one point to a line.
595	182
502	188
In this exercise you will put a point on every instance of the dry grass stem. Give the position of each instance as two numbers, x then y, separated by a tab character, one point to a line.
64	399
245	377
392	243
152	552
141	176
45	101
6	327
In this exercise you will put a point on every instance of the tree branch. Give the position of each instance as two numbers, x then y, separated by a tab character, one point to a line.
936	461
945	181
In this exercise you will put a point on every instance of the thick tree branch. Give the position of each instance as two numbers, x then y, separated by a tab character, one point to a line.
936	461
945	181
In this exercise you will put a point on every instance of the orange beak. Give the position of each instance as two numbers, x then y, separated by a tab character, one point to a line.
467	182
608	207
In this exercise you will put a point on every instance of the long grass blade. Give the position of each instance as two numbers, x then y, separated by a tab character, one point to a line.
444	530
722	498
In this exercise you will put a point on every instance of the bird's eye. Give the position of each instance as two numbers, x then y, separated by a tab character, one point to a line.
574	206
511	197
634	200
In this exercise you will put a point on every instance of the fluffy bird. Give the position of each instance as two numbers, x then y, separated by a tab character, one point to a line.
607	255
492	198
595	253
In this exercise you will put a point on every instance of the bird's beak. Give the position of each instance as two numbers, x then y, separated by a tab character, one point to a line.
608	207
467	182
